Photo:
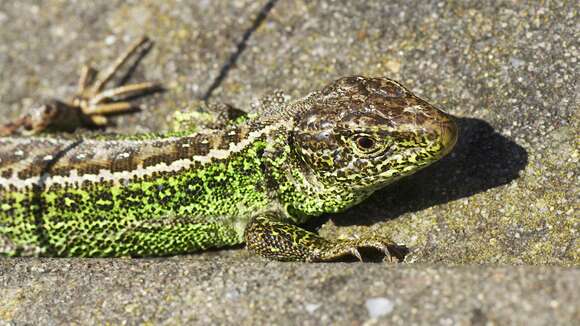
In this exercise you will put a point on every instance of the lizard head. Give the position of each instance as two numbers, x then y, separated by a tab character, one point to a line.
359	134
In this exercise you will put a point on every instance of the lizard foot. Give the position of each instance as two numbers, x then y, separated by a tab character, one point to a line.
269	237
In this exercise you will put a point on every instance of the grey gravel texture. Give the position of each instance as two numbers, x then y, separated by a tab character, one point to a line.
507	196
233	288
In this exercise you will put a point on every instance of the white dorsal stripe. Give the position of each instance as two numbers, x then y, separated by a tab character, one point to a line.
105	175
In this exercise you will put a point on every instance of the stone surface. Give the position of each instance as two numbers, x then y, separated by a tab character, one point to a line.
508	195
233	288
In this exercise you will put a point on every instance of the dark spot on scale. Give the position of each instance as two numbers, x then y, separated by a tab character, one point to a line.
164	200
214	183
7	173
360	164
193	187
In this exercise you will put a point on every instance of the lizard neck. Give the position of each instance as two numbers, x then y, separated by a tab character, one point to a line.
300	192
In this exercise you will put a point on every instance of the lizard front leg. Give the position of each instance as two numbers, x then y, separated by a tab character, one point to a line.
269	237
207	116
222	115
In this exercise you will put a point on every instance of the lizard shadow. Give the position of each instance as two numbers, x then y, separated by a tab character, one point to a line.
482	159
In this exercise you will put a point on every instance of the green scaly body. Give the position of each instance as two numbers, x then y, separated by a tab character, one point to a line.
251	182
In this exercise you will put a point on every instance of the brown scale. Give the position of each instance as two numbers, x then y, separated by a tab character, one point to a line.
7	173
33	159
122	162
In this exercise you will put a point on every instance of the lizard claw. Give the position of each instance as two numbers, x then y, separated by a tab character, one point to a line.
356	253
387	253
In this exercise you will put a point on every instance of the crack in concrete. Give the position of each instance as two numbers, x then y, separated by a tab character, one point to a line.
241	46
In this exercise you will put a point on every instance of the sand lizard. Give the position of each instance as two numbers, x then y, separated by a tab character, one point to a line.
251	182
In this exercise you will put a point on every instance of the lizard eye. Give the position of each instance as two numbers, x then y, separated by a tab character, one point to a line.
366	144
